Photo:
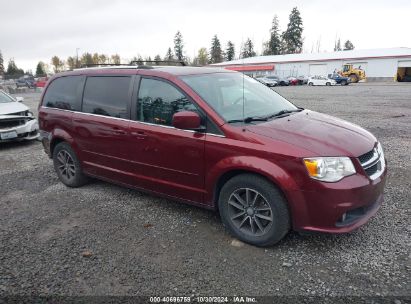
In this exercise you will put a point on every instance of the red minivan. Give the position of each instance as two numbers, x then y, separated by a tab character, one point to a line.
216	139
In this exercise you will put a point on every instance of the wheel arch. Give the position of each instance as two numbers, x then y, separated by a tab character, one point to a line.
260	167
58	136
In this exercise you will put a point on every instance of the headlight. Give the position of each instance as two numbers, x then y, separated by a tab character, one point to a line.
329	169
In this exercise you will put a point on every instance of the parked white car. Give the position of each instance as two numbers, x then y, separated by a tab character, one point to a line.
16	120
321	80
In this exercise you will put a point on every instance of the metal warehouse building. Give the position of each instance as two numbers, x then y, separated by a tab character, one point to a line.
390	64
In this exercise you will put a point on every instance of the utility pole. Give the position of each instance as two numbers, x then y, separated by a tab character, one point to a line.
77	49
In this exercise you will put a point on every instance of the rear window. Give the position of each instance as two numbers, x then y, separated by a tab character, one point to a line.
64	92
107	96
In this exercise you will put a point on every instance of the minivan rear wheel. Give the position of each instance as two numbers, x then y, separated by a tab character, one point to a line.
254	210
67	166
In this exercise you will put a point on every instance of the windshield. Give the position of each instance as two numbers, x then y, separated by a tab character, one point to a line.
229	93
5	98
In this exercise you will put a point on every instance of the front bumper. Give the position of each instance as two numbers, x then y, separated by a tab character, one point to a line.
338	207
28	131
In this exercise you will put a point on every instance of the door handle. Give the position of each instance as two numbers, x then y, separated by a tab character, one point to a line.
119	131
139	134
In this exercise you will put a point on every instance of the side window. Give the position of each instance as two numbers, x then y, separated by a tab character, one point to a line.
63	93
107	96
159	100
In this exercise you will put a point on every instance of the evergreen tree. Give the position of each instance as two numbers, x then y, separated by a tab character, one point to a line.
337	46
248	49
202	57
273	46
230	51
178	46
157	59
139	60
169	56
216	54
292	37
348	45
13	70
40	71
1	64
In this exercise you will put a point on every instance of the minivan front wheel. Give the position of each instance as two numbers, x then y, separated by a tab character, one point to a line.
67	166
254	210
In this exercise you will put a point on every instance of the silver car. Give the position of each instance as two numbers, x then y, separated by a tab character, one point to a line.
269	82
16	120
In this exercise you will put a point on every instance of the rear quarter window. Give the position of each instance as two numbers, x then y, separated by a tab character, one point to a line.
107	95
64	93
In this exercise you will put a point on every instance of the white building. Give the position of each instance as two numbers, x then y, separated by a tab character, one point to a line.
379	64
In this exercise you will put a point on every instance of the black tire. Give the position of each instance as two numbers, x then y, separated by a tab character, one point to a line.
268	197
354	78
344	82
310	84
327	83
71	174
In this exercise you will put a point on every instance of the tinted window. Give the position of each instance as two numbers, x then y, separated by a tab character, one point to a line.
107	96
159	100
63	93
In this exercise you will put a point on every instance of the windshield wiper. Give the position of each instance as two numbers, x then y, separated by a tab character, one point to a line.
283	113
249	119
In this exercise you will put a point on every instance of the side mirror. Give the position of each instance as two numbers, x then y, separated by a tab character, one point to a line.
187	120
19	99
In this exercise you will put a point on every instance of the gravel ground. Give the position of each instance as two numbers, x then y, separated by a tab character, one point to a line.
102	239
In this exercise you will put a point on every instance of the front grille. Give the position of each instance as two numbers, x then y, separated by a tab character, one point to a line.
373	169
366	157
11	123
373	163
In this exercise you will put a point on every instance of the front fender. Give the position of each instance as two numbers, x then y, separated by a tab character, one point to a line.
264	167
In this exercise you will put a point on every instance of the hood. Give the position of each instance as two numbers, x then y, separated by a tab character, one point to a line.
321	134
12	107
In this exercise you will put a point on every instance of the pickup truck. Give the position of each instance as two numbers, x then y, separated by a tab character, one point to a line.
339	79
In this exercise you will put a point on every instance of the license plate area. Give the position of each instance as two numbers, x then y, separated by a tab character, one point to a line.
8	135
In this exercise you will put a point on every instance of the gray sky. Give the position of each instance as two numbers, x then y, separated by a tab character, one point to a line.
36	30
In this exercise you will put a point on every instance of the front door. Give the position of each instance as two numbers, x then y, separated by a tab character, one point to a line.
166	159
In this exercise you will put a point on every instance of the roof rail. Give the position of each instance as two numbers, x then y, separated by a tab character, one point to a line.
91	65
139	62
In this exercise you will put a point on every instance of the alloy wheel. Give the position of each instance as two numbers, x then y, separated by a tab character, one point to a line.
66	165
250	212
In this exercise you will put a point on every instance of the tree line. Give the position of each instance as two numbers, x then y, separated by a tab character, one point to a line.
289	41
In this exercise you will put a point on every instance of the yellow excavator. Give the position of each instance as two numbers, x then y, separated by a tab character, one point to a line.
355	74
